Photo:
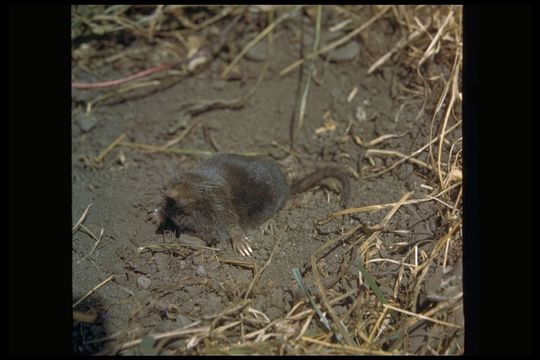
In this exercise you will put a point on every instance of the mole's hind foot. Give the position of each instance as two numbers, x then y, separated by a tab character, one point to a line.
241	243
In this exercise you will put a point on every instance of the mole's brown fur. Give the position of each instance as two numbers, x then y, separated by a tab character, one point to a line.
229	193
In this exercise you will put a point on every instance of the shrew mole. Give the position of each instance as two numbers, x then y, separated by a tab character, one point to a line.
229	193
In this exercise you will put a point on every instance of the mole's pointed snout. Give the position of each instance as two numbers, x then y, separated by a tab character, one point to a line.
172	193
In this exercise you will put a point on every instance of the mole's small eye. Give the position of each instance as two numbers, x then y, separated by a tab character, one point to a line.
169	203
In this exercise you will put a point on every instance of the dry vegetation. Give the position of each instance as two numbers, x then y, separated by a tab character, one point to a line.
430	48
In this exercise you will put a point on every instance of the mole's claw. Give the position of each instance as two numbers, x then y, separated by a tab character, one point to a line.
242	245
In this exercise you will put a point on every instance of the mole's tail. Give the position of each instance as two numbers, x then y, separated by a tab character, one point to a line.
317	176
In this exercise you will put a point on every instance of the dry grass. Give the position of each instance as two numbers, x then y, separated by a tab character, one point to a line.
372	324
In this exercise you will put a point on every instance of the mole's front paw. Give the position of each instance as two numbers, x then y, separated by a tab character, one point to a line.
242	244
268	227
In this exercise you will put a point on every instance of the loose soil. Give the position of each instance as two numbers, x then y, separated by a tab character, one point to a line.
162	283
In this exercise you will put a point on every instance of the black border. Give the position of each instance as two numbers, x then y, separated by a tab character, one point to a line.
498	132
39	175
498	174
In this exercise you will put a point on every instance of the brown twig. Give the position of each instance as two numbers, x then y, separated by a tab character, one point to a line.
153	148
425	266
259	273
336	320
400	45
124	89
398	333
94	289
210	138
96	243
423	317
351	349
83	217
303	101
182	135
111	83
453	127
336	43
258	38
191	109
202	53
102	155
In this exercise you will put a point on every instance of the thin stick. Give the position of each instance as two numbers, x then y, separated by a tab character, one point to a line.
425	266
173	246
257	38
296	306
429	50
83	217
203	106
391	261
111	83
383	206
303	101
414	153
153	148
103	339
259	273
377	325
96	243
124	89
93	290
382	225
228	311
336	43
411	322
356	350
375	141
401	155
304	327
457	202
352	94
210	138
109	148
298	278
257	314
312	311
422	316
170	334
340	25
89	232
442	202
448	110
450	167
400	45
201	53
292	132
182	135
226	11
337	321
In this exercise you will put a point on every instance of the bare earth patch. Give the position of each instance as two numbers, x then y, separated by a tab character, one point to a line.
380	277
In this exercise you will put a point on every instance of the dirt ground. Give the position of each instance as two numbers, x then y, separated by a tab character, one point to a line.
161	283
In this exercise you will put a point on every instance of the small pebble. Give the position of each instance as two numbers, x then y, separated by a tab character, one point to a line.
183	320
201	271
219	84
162	262
86	122
258	52
360	114
143	282
346	52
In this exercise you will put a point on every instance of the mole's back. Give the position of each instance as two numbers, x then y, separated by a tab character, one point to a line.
258	186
